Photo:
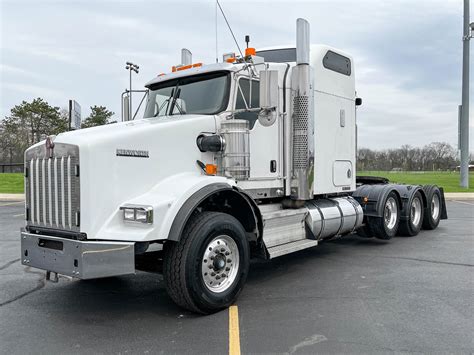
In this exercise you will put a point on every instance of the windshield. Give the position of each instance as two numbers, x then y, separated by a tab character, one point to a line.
205	94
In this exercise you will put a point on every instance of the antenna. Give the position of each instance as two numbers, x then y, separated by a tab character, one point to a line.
230	29
217	52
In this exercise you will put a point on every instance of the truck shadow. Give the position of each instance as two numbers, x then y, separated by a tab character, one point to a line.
319	256
144	295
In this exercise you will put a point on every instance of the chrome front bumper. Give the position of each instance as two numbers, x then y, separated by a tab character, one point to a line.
80	259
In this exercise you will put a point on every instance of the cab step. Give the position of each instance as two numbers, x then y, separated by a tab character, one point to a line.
291	247
282	226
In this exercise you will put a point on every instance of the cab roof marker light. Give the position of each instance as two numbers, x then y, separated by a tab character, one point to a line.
184	67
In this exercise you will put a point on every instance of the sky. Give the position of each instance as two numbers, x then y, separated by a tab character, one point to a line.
407	54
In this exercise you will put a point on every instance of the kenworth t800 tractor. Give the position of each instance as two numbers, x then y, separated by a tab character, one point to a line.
252	157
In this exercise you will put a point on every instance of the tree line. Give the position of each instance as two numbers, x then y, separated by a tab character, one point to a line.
31	122
434	156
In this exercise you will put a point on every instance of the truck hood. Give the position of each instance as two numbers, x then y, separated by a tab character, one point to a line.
119	162
114	131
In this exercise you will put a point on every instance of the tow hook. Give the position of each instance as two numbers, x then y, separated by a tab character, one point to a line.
55	277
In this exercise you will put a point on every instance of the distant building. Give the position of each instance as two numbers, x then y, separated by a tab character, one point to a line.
471	167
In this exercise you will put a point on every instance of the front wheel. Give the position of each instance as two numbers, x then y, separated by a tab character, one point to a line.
206	270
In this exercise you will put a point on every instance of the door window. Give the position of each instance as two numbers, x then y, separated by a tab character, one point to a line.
245	101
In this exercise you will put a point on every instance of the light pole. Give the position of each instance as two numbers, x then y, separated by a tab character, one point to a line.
464	119
131	67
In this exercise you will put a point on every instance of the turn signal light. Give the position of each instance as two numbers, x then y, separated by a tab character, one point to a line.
211	169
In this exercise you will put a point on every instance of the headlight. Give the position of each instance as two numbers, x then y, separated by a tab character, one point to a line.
137	213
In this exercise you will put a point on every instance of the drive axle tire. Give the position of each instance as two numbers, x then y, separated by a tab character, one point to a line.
412	225
432	214
206	270
386	227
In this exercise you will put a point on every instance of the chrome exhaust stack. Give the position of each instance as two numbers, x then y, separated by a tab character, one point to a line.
302	118
186	57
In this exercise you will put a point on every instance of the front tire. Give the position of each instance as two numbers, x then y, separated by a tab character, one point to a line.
206	270
412	226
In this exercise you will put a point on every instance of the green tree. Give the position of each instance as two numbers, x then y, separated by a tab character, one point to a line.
98	117
27	124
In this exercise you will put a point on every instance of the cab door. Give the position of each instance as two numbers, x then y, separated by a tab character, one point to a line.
265	167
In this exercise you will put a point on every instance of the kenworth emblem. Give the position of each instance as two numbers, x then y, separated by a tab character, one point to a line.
132	153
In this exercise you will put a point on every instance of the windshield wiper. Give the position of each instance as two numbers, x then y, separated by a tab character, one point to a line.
173	103
166	102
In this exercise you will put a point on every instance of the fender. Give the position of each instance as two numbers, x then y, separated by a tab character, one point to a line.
427	189
406	194
376	194
167	199
200	196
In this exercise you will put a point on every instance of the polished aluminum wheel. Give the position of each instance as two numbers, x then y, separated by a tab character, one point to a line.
416	211
220	263
435	207
390	213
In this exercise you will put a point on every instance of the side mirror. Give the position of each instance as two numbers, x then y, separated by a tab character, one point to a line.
358	101
268	97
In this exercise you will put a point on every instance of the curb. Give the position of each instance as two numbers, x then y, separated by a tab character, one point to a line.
459	195
12	197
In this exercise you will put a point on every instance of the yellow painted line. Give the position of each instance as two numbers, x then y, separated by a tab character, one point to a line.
234	333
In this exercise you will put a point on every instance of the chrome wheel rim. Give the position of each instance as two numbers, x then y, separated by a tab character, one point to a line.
415	211
435	207
220	264
390	213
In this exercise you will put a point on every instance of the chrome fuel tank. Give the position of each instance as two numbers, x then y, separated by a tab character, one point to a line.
332	217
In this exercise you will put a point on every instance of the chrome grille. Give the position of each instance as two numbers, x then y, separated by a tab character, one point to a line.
52	187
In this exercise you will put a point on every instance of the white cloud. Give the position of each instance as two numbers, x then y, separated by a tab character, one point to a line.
34	91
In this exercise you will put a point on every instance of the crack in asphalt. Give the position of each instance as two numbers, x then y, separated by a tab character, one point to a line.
424	260
9	264
40	284
312	340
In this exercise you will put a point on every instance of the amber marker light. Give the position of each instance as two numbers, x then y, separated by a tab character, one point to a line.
211	169
250	51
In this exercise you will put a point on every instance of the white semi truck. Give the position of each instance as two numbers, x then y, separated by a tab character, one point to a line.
254	157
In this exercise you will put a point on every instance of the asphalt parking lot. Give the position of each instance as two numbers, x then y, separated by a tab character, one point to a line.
353	295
